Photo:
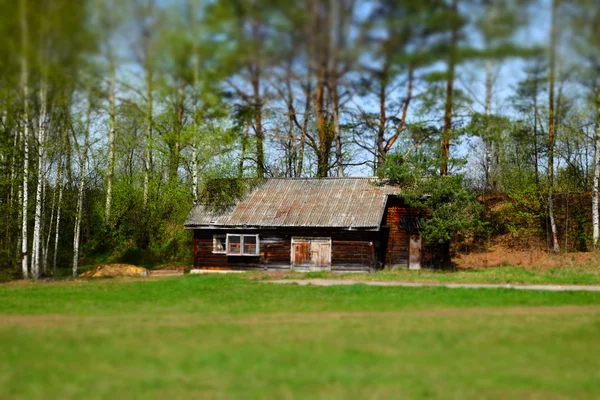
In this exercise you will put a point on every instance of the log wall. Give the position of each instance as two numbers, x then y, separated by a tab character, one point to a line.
398	238
351	250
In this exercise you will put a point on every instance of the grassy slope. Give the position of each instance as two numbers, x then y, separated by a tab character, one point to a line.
225	337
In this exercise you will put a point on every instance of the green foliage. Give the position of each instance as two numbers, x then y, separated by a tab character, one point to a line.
222	193
454	210
398	170
522	215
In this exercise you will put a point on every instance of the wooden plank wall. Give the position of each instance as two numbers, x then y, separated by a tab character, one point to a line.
352	255
351	250
396	254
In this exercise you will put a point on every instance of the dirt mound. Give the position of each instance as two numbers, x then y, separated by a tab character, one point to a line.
110	270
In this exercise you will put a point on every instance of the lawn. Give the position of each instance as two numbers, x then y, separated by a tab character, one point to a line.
579	274
228	337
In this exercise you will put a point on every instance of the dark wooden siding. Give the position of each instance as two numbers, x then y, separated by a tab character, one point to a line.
348	254
397	241
205	258
351	250
398	238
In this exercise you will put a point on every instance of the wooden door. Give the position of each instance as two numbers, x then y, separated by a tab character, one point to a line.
300	252
414	253
312	254
320	254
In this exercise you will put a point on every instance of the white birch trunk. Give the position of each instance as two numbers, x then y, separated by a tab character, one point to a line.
111	145
25	88
79	214
37	228
488	112
19	210
194	170
196	111
13	182
148	144
595	216
56	231
46	247
552	125
13	173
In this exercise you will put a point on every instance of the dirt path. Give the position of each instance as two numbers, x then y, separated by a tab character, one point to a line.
336	282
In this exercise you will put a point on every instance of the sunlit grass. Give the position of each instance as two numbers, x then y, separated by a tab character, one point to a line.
227	337
583	274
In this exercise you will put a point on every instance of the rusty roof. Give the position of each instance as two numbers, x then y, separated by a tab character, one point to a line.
316	202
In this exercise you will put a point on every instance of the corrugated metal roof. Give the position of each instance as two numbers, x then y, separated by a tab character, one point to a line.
324	202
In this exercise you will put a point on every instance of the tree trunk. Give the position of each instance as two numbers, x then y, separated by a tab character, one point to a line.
52	213
56	232
25	89
37	229
148	144
595	216
196	112
175	146
337	134
258	127
449	93
551	127
243	153
535	139
111	143
80	191
488	142
13	183
293	146
292	117
324	144
194	171
402	123
379	140
305	120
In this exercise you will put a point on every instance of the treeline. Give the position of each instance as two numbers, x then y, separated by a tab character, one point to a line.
116	116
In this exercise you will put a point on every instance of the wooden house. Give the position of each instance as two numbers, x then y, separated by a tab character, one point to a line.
338	224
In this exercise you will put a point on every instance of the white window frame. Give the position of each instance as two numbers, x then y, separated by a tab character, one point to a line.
242	236
215	239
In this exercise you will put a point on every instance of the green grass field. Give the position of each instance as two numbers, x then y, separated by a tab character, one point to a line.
227	337
579	274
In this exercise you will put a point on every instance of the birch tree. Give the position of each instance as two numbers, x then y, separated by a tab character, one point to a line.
109	19
37	230
25	135
552	125
147	18
82	152
585	21
596	181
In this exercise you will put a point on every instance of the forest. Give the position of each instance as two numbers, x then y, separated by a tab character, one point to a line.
116	117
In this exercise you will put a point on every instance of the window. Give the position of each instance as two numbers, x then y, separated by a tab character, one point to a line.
219	244
242	245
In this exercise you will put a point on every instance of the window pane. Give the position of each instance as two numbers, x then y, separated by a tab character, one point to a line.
234	245
250	244
219	243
